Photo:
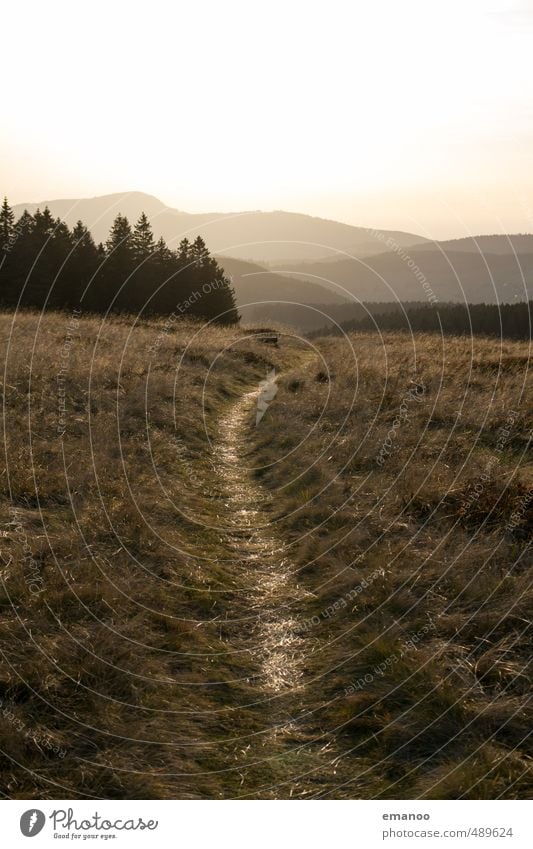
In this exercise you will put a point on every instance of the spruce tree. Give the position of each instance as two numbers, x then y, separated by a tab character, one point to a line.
162	250
143	239
7	228
82	237
119	239
19	258
82	266
119	264
44	226
184	252
24	226
199	253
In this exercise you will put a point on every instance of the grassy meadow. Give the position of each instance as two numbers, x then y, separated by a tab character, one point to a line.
144	626
405	484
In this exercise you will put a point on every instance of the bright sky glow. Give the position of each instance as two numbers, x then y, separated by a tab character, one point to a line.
415	115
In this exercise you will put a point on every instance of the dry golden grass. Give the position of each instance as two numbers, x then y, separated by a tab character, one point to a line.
108	616
418	558
125	672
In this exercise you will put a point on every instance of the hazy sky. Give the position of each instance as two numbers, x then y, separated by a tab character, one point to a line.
413	115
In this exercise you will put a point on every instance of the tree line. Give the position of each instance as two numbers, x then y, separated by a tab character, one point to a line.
511	321
46	265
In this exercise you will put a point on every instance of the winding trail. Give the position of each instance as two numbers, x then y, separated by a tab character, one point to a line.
261	556
294	759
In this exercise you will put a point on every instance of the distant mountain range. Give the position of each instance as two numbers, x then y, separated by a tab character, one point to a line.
254	236
307	264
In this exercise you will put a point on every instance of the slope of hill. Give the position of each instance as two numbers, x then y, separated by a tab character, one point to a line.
255	284
254	235
519	243
416	275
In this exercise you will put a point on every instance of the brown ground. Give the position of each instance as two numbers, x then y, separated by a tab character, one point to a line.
334	603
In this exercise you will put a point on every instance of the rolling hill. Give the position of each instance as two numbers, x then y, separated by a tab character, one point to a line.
253	282
519	243
255	236
418	274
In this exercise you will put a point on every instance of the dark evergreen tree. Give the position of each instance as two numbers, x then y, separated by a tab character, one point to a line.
184	252
83	264
59	256
7	228
198	252
119	242
24	226
143	239
18	260
82	238
49	266
43	224
162	251
118	267
212	284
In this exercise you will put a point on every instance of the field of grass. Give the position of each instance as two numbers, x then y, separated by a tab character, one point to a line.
405	484
333	603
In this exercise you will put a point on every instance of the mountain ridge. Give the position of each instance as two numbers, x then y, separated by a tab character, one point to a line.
256	236
493	243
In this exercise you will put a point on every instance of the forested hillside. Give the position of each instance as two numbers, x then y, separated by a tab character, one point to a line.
46	265
510	321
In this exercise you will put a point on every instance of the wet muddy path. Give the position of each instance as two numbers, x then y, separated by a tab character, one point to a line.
283	757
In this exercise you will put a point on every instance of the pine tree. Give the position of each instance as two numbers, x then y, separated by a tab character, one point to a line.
115	284
162	251
184	252
199	253
143	239
7	228
44	225
119	239
24	225
172	283
46	252
82	237
19	259
222	299
56	259
82	266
